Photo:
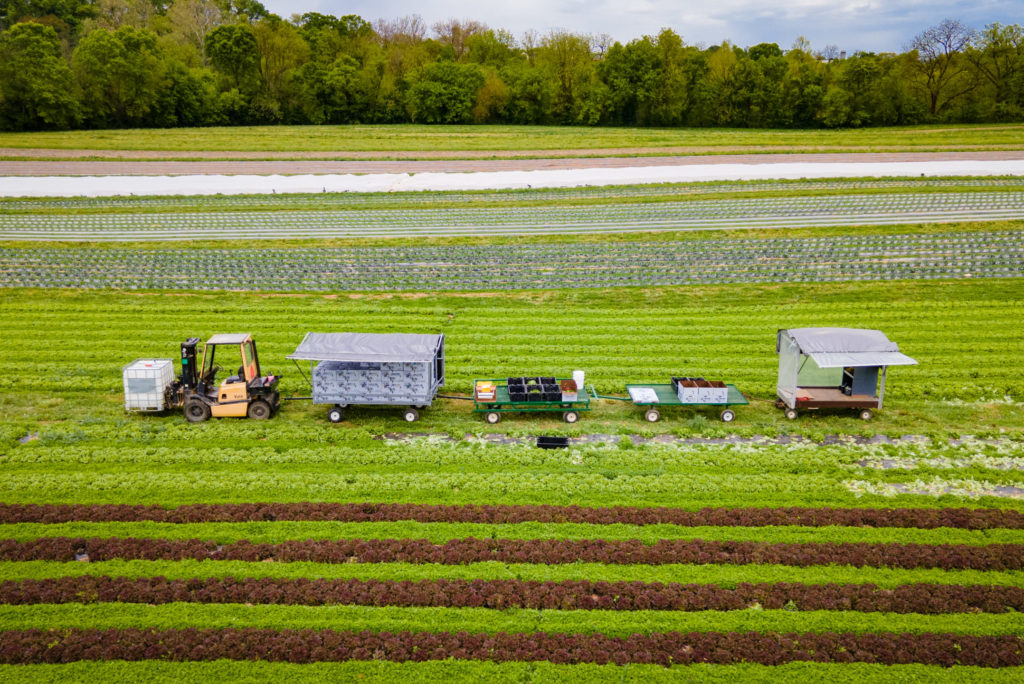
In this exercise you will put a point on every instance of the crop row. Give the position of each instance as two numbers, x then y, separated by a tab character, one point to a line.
920	598
304	646
543	551
354	200
452	223
461	267
921	518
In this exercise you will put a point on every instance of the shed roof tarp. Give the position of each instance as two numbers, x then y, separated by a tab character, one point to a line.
393	347
841	347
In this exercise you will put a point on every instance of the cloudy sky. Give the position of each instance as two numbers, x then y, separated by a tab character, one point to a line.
851	25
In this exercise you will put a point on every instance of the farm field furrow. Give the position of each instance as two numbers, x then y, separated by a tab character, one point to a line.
555	219
584	265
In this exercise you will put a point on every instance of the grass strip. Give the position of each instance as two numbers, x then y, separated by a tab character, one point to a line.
486	620
439	533
720	575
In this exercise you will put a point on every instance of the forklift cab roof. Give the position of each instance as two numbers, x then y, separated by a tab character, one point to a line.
232	338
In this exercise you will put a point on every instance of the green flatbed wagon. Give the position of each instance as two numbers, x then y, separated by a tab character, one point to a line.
653	397
493	408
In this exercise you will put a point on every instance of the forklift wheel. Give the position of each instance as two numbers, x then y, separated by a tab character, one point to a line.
259	410
791	414
728	416
492	417
411	415
652	415
196	411
335	415
571	416
866	414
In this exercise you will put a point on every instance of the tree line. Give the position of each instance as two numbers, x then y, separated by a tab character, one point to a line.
155	63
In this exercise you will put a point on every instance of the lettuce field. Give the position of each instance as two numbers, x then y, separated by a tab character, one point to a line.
144	548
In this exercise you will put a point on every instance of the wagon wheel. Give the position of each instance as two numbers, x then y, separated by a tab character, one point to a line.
492	417
336	414
571	416
728	415
791	414
196	411
259	410
411	415
866	414
652	416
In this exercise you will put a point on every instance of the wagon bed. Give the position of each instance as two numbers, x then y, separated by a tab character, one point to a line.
665	395
502	403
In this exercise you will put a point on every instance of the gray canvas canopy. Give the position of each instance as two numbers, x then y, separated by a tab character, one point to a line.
367	347
846	347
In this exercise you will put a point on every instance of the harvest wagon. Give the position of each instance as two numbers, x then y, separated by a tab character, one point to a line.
834	368
539	394
393	369
684	392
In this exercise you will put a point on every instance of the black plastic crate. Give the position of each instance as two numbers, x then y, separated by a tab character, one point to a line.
517	397
516	381
546	442
534	393
547	381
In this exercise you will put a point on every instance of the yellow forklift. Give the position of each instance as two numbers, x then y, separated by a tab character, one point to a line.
247	393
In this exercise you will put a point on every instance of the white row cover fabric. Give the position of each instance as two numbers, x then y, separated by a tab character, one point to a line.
842	347
369	347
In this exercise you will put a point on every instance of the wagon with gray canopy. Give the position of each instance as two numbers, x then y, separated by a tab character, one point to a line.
391	369
834	368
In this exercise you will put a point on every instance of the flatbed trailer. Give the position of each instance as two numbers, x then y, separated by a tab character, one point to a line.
664	395
502	403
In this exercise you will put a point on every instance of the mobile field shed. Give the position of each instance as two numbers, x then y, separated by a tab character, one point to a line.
834	368
392	369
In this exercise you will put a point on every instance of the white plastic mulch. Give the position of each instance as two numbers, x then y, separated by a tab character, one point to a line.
98	186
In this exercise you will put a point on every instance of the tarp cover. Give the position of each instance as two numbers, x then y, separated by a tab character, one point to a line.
841	347
393	347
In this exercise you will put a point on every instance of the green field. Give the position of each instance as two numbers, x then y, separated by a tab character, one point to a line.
549	140
900	538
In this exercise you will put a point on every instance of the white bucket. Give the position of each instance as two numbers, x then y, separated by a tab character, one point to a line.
577	377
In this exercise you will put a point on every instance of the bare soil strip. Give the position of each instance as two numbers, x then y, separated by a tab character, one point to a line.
461	164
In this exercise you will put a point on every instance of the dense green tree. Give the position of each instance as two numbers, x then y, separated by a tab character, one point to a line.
119	76
35	81
232	49
446	92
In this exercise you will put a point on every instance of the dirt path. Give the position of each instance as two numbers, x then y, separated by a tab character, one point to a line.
204	165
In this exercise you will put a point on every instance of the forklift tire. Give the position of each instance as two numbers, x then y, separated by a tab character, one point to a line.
652	415
196	411
728	415
571	417
492	417
866	414
791	414
335	414
411	415
259	410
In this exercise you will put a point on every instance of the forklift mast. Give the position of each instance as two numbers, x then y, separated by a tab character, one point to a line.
189	372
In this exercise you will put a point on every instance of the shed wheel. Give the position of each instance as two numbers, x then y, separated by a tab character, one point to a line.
336	414
259	410
492	417
571	416
196	411
727	416
791	414
411	415
866	414
652	415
